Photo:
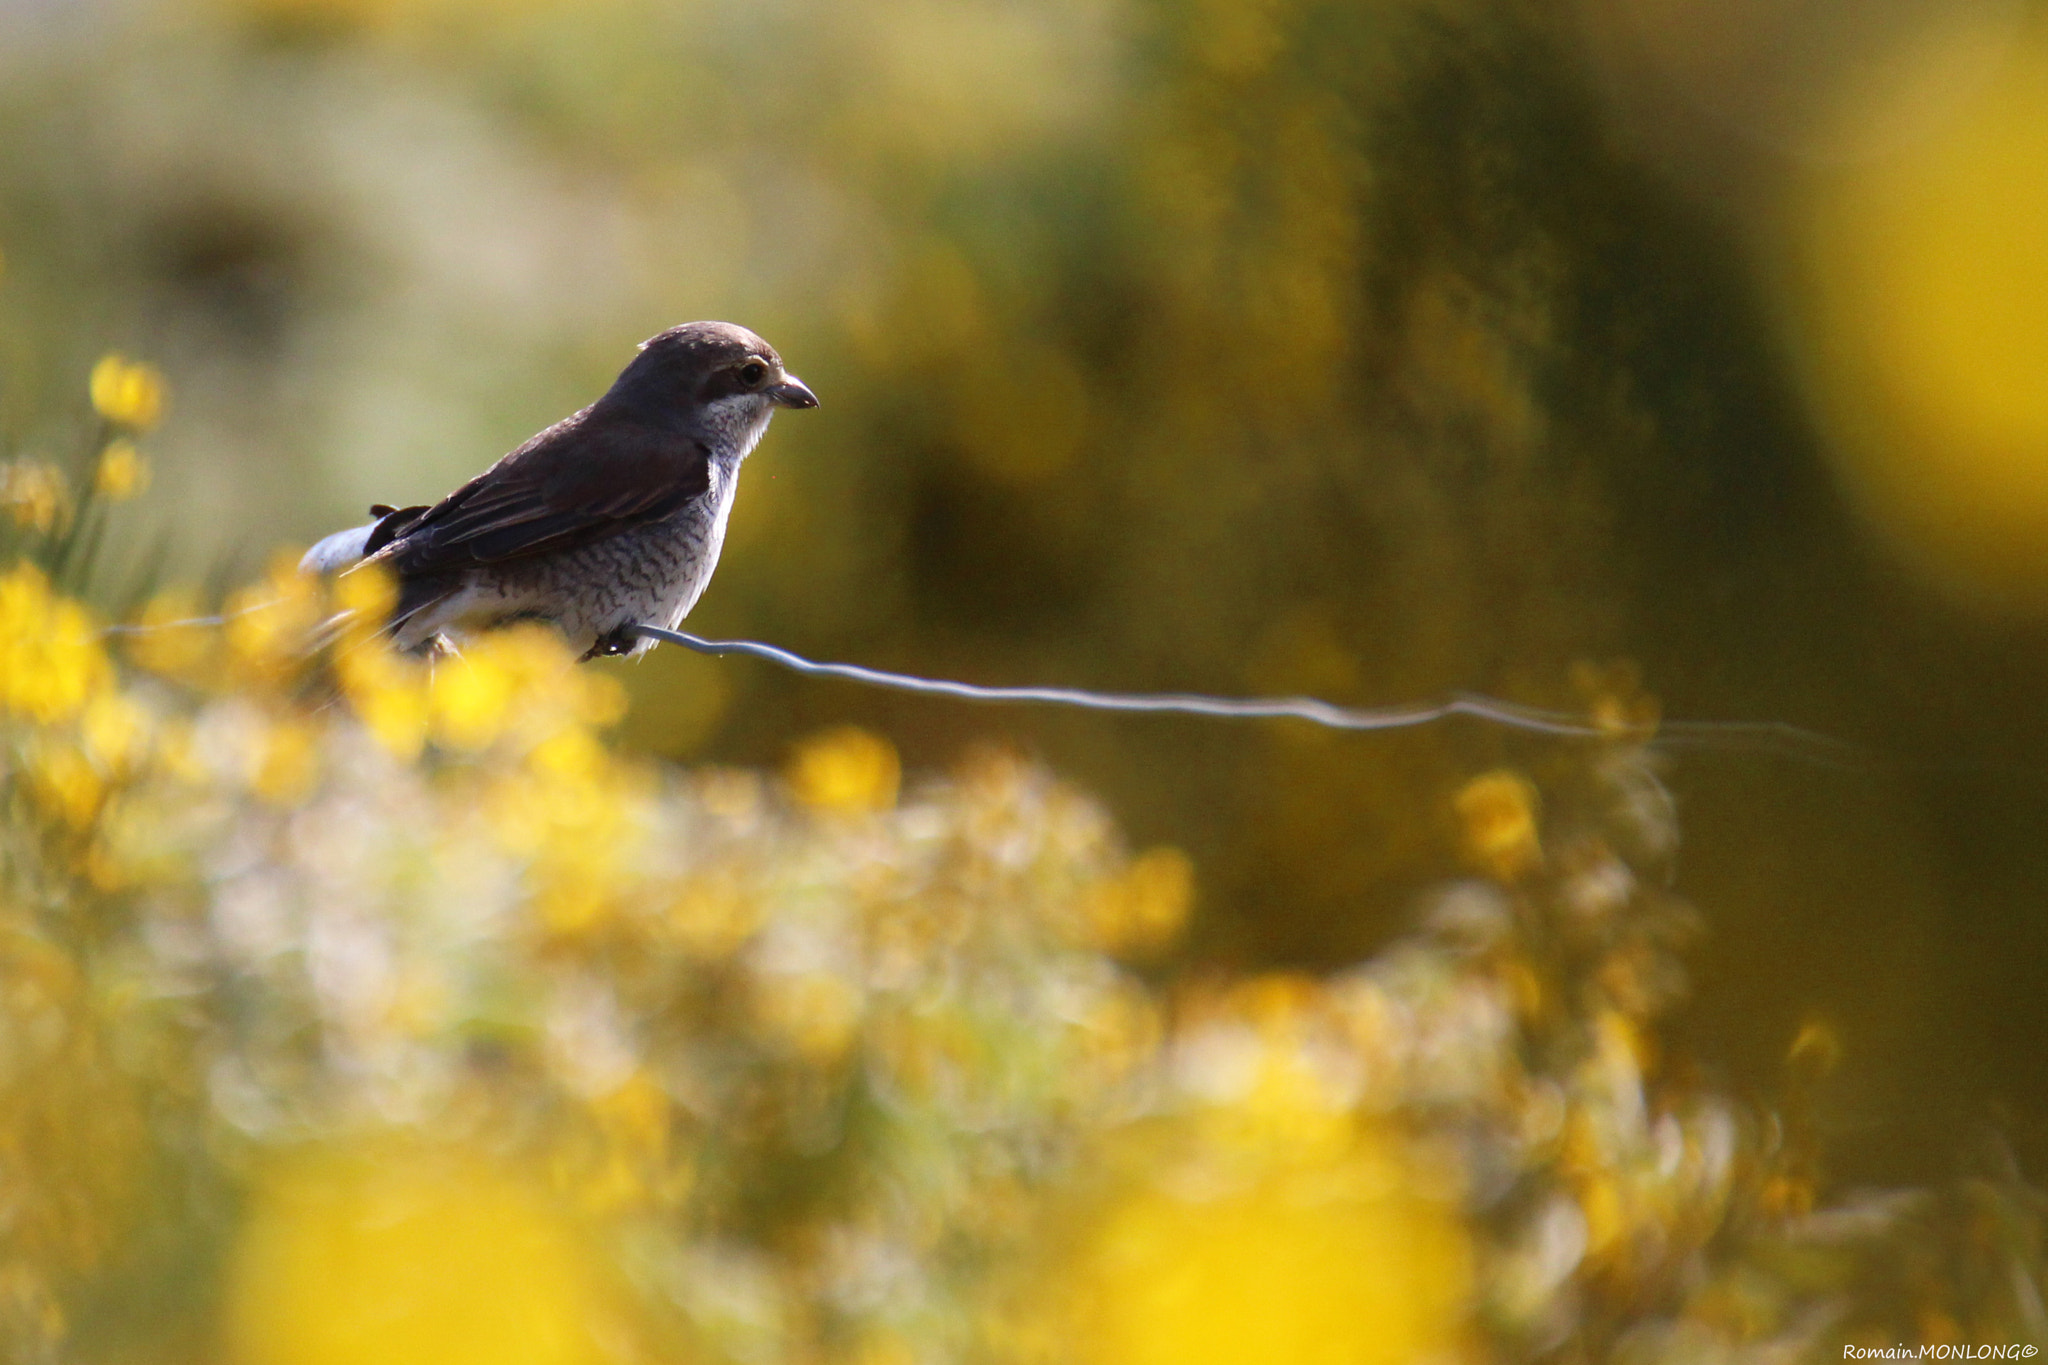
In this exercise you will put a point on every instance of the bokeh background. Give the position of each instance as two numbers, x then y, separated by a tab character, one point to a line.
1371	350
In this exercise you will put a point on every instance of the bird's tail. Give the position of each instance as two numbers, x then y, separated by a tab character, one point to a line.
344	550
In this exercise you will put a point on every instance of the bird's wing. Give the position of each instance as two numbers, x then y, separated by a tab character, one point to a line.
578	481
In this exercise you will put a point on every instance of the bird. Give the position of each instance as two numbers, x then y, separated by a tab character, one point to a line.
609	520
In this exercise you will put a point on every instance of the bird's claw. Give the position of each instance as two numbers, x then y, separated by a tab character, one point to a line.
613	643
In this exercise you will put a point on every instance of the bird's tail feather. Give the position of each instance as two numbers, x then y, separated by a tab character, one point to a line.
345	549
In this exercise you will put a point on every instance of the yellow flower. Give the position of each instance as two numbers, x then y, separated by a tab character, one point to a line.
636	1115
1606	1213
1144	907
845	771
116	732
568	904
366	593
627	1158
523	683
167	644
814	1013
127	393
473	698
601	699
123	472
571	753
389	695
51	662
33	494
575	813
1498	811
287	763
409	1255
67	784
271	624
1120	1033
714	913
1334	1257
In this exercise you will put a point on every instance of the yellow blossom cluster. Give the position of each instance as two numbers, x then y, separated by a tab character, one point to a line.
432	985
422	865
51	660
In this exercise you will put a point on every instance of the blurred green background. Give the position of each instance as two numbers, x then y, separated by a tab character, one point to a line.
1366	349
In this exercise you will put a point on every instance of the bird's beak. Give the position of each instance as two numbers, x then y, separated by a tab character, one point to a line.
791	393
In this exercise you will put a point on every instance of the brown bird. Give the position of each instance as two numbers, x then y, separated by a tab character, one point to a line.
609	519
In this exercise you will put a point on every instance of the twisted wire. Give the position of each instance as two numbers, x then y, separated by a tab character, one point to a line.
1767	736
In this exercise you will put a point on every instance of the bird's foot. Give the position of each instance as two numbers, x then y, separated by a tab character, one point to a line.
622	640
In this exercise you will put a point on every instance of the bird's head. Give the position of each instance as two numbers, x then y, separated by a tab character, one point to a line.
715	377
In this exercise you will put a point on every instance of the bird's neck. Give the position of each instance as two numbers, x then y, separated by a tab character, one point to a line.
623	405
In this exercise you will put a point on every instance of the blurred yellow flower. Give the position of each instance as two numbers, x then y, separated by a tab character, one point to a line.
814	1013
525	680
1144	907
51	661
569	904
601	699
636	1114
714	913
570	752
574	813
271	624
127	393
1121	1034
472	698
73	1136
1606	1213
845	771
33	493
115	729
169	646
1327	1263
389	694
66	783
123	472
1923	321
287	762
408	1256
625	1158
1497	811
368	592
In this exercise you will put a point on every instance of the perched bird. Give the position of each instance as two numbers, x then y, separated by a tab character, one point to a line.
609	519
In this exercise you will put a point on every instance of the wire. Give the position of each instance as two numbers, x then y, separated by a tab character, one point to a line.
1767	736
188	623
1182	703
1771	735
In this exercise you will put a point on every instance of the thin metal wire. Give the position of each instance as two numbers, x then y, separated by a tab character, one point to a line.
1173	703
188	623
1766	736
1769	735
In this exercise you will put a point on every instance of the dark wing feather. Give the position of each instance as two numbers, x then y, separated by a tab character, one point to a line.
391	523
580	480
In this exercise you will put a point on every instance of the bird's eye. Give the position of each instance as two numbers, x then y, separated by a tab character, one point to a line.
752	373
